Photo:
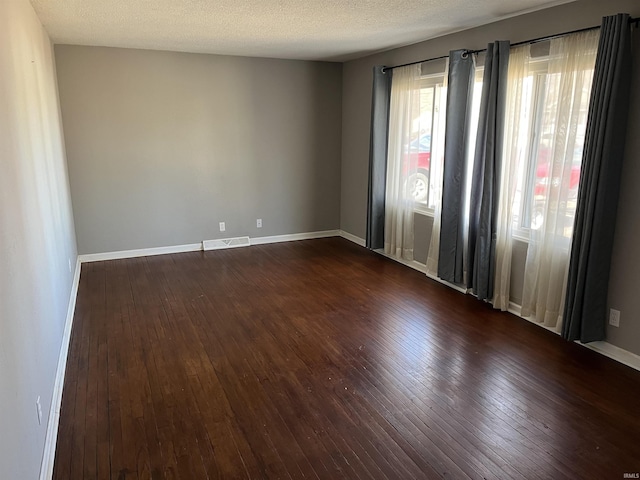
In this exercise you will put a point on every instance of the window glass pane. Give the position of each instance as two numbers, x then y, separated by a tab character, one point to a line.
419	150
552	166
420	146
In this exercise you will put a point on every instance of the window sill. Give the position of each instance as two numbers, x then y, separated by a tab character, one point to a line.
424	211
520	236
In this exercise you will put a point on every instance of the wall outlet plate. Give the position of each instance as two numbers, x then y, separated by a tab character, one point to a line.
614	317
259	223
222	227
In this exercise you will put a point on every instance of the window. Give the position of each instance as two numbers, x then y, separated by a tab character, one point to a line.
426	143
415	152
534	85
551	131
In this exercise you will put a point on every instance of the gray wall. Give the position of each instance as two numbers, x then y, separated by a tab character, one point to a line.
37	241
163	146
625	264
356	95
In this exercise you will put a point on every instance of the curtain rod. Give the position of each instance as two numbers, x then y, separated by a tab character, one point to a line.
632	21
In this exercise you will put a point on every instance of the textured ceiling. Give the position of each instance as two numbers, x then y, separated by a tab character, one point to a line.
296	29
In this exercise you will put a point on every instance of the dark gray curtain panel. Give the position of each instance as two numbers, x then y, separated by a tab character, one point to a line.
485	181
585	310
459	97
378	156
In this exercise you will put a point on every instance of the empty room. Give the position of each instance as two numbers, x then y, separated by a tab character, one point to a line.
319	239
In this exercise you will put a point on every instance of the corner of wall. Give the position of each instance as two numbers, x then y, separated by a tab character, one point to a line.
48	458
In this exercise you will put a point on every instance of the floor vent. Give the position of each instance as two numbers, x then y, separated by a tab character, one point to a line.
226	243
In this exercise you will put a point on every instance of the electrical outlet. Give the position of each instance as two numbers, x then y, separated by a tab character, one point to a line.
259	223
222	227
39	410
614	317
69	265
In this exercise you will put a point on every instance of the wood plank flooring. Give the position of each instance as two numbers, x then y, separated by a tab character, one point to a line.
320	359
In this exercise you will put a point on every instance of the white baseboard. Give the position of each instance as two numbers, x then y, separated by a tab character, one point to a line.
46	470
604	348
48	458
444	282
49	455
421	267
352	238
141	252
194	247
294	236
516	310
616	353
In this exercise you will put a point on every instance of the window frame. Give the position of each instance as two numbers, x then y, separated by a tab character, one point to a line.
432	80
539	69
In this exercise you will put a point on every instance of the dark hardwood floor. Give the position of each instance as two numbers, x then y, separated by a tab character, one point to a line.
320	359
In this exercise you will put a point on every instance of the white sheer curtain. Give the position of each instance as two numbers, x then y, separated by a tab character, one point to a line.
404	127
570	72
437	166
516	149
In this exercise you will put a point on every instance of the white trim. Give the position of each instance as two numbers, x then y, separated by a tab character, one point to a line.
142	252
352	238
421	267
520	235
424	211
195	247
49	455
516	310
604	348
616	353
295	236
448	284
46	470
